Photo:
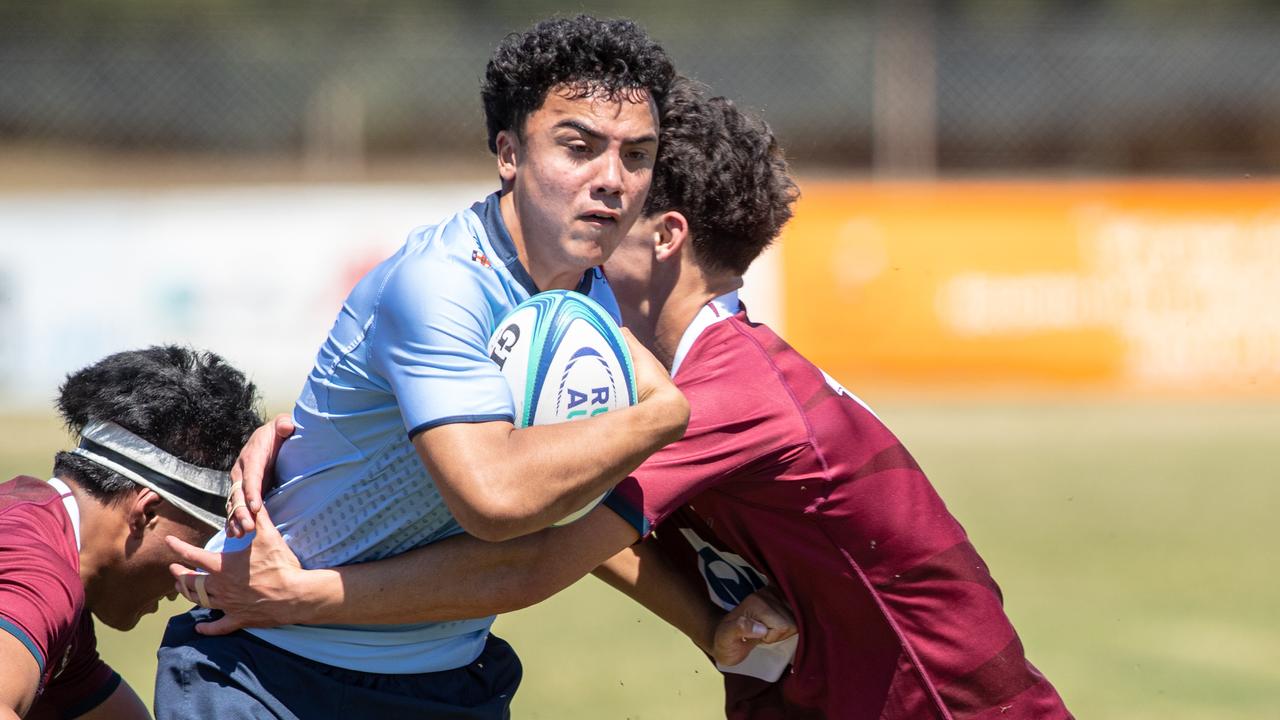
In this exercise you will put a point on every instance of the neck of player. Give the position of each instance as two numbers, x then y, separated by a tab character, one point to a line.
680	291
102	529
544	274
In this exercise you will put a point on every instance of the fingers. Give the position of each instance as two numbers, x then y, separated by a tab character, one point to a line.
189	585
632	343
282	428
251	465
765	607
193	556
266	528
193	586
775	614
779	633
743	635
650	374
181	576
751	630
201	592
239	521
780	626
222	626
250	474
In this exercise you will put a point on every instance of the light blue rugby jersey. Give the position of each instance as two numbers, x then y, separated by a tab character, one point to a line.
407	353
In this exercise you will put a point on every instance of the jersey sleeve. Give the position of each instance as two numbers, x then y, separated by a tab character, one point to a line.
733	434
38	595
86	680
429	342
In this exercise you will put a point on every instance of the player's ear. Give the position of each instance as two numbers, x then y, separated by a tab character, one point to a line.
508	153
671	237
142	512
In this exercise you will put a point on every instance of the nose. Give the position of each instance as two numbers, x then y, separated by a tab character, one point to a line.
609	176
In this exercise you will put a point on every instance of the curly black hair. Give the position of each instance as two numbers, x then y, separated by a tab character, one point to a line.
190	403
724	171
584	55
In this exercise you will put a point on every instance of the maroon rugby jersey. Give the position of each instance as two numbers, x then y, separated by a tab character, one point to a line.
783	474
42	600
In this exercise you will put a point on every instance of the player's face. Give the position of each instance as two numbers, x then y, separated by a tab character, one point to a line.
135	585
579	177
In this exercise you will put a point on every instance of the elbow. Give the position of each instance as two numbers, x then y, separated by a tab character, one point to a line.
493	518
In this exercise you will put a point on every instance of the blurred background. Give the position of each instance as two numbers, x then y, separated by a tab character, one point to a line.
1042	239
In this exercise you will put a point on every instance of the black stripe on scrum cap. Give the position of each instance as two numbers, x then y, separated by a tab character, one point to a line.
209	502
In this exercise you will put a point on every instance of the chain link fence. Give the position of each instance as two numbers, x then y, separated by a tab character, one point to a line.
911	87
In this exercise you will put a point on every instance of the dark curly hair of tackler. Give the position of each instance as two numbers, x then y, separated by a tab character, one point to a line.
725	172
584	55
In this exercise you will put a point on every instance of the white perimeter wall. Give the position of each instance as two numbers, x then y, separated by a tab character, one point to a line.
254	273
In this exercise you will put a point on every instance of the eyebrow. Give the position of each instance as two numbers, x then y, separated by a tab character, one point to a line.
570	123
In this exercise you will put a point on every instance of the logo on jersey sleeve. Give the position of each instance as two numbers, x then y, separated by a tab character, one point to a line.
729	578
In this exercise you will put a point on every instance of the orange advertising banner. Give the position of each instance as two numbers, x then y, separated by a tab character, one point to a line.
1148	286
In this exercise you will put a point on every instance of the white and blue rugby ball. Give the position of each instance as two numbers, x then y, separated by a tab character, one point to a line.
564	358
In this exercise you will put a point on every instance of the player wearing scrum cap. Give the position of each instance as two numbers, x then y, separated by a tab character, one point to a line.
158	428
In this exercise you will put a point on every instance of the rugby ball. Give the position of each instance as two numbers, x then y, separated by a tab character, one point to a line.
565	359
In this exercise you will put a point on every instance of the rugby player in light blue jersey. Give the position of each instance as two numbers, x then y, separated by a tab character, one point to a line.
404	426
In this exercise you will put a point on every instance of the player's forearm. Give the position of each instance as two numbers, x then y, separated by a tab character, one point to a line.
454	579
462	577
524	480
569	465
644	575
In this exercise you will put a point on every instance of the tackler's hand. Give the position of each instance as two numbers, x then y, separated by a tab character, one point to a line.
263	585
251	475
761	618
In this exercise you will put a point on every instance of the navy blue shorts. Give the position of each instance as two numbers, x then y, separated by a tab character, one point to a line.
239	676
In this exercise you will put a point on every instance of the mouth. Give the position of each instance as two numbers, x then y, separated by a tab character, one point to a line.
600	217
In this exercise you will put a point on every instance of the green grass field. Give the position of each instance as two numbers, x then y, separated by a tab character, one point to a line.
1136	544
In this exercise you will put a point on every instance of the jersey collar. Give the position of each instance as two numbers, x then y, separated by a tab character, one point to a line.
69	502
720	308
490	213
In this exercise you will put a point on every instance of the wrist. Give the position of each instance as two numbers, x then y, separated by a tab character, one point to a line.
677	415
319	598
669	413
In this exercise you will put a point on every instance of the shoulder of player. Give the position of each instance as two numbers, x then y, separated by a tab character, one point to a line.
41	594
455	243
29	506
33	520
725	352
729	378
445	261
35	542
25	486
741	370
